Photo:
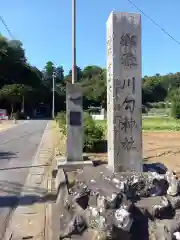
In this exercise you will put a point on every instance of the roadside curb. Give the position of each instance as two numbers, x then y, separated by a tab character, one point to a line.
54	209
48	221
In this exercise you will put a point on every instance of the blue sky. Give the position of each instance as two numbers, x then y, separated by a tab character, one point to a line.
44	27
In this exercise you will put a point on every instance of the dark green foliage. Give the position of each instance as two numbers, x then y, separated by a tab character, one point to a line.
93	133
175	109
174	97
61	121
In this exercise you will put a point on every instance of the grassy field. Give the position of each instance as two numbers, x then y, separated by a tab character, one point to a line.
154	124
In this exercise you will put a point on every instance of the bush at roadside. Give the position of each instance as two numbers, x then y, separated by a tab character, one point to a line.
61	121
174	96
175	108
93	133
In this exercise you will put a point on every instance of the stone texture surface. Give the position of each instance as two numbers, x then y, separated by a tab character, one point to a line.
74	113
124	91
106	205
29	218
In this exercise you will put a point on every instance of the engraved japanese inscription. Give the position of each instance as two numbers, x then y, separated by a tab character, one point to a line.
125	83
125	124
128	143
128	50
109	45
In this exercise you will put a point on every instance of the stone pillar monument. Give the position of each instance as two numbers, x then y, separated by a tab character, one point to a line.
124	89
75	140
74	112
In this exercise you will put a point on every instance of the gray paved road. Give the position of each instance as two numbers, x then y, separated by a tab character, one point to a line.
18	147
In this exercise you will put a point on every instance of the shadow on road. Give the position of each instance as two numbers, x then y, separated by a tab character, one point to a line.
10	201
7	155
23	195
17	188
22	167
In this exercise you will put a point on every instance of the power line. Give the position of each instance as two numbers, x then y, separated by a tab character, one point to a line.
11	35
6	26
162	29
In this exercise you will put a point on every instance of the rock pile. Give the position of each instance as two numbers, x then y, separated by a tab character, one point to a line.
122	206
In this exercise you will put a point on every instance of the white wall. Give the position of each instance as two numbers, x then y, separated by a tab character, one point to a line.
98	116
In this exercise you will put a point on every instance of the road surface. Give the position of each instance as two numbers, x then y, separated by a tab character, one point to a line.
18	147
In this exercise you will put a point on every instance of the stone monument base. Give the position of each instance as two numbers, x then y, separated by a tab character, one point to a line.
69	165
105	205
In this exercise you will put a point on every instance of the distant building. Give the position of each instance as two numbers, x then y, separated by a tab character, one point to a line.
97	113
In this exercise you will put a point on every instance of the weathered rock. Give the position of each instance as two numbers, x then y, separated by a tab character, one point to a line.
177	235
174	201
140	224
123	219
159	187
80	193
156	207
164	229
173	184
112	201
100	235
75	227
122	206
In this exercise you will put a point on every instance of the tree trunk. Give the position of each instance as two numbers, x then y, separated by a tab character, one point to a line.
12	108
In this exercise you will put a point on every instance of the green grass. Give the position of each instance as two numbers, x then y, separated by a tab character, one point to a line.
154	124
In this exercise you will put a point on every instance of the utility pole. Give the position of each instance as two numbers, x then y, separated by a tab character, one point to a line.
53	91
74	112
74	74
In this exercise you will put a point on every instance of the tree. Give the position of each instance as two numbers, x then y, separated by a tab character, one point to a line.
94	86
153	90
14	93
174	97
15	71
3	48
91	71
16	51
49	69
78	74
59	73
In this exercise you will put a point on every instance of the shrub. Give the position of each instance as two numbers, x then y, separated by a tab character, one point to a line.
61	121
61	118
174	96
93	133
144	109
175	108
